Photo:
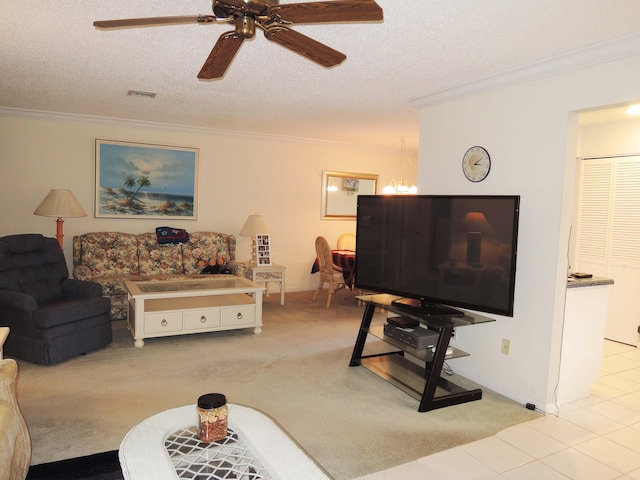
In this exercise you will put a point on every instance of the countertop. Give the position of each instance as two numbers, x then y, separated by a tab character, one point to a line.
588	282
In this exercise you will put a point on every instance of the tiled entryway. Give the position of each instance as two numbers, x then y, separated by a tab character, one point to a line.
596	438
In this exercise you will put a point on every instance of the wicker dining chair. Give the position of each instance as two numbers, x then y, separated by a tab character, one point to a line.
347	241
329	271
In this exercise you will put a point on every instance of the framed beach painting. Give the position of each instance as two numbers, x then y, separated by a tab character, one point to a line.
137	180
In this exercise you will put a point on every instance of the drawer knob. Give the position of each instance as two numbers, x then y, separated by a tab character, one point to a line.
203	319
239	316
164	322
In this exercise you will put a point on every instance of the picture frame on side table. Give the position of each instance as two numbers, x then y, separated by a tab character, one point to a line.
263	249
138	180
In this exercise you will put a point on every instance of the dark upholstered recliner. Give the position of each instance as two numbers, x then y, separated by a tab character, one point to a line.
52	317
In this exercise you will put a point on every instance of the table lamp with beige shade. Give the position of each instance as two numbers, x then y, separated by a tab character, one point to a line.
59	204
254	225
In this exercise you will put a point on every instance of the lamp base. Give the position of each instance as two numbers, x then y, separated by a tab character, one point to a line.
474	245
59	234
254	252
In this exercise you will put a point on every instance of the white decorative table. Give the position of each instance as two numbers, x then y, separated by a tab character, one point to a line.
178	307
166	447
273	273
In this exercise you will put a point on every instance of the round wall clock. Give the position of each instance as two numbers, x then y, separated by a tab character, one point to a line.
476	164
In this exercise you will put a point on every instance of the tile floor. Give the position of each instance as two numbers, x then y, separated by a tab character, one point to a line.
596	438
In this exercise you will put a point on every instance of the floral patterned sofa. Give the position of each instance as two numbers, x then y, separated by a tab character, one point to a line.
111	258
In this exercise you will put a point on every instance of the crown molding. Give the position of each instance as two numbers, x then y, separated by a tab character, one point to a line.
121	122
576	59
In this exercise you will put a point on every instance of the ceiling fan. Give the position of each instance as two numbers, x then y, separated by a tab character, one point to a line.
271	17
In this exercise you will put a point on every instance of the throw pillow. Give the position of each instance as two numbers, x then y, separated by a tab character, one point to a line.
171	235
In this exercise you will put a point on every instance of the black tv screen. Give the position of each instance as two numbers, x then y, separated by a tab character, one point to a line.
439	251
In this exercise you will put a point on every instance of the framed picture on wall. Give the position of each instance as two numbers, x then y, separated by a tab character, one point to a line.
138	180
263	249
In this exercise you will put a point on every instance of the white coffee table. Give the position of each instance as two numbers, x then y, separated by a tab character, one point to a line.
256	448
179	307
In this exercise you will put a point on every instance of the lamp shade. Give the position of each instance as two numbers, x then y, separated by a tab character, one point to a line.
60	203
254	225
475	222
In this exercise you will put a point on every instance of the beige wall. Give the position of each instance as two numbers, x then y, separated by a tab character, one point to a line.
530	129
239	174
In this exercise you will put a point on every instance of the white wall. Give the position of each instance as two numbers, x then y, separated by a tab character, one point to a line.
239	174
530	130
616	138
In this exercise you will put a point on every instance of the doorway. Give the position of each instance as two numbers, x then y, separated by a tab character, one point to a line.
609	146
608	236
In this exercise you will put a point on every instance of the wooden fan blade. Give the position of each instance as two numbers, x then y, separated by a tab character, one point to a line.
221	56
148	22
305	46
329	11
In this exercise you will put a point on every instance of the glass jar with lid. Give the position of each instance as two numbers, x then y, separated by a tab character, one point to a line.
212	417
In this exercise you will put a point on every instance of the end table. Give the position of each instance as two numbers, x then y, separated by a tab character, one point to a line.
269	273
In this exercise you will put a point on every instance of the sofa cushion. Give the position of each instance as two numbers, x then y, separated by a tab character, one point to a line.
171	235
109	253
207	248
157	259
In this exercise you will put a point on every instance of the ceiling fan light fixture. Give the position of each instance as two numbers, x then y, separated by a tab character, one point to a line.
246	26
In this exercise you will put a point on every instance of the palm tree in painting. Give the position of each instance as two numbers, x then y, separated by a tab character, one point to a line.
142	182
129	182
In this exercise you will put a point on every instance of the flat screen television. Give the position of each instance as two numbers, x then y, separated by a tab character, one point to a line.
439	251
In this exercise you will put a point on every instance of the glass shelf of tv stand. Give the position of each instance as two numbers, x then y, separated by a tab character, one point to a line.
387	358
424	354
422	383
384	300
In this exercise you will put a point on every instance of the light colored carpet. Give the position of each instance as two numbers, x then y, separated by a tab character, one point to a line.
297	370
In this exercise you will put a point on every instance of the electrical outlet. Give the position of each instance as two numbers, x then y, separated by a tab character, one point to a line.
506	345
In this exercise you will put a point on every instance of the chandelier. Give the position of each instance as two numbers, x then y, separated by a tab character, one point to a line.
401	186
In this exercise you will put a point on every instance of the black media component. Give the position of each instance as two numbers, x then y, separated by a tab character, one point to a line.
403	322
439	251
417	337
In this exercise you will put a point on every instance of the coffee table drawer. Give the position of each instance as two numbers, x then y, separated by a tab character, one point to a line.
239	315
163	322
198	319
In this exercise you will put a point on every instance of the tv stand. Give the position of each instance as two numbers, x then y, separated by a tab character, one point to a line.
387	356
422	307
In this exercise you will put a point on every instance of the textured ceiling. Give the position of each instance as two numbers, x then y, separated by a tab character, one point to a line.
53	59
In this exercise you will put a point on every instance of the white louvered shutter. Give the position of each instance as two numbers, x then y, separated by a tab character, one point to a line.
608	237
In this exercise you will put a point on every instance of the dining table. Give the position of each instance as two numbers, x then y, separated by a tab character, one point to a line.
345	259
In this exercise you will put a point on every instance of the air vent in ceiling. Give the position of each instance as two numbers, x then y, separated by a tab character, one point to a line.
139	93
